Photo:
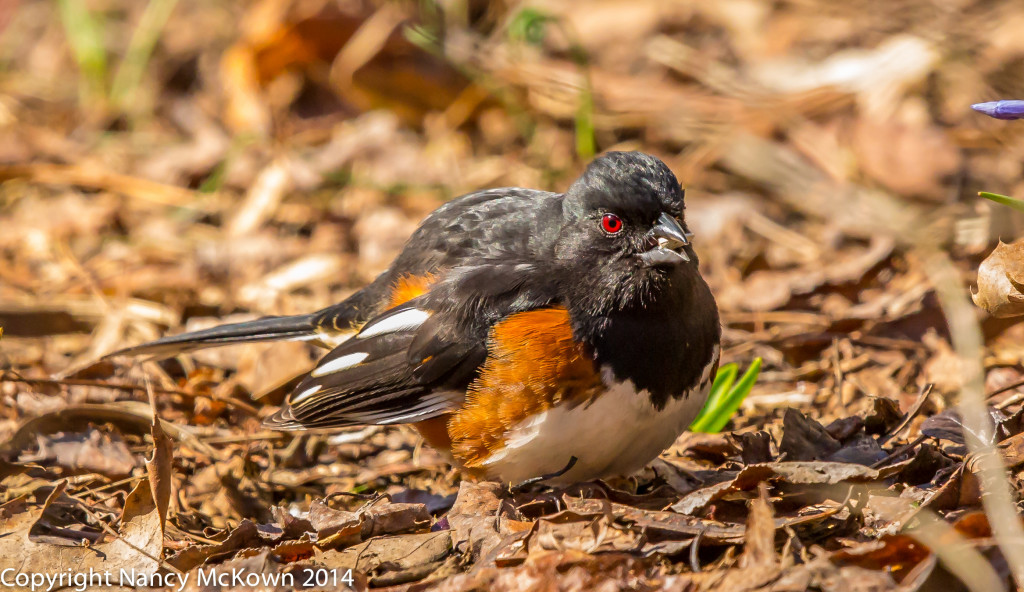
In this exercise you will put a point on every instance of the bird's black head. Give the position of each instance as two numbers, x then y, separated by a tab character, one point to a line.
635	296
624	235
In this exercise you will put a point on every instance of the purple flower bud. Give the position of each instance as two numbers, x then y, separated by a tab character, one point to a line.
1001	109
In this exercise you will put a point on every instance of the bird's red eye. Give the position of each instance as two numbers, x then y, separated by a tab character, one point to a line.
611	223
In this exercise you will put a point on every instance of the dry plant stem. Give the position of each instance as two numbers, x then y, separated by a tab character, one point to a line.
957	554
866	213
93	178
229	401
899	452
1006	388
967	341
1011	401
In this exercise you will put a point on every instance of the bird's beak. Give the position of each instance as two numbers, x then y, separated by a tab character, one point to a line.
667	239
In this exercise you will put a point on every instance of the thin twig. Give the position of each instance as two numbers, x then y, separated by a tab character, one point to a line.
957	554
1011	401
10	376
899	452
1002	390
107	529
695	549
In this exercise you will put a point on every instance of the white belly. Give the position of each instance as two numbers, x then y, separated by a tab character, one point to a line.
615	434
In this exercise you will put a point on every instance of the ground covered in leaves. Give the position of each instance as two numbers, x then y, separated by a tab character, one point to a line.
271	157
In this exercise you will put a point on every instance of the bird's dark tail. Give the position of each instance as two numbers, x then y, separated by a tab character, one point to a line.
327	327
298	327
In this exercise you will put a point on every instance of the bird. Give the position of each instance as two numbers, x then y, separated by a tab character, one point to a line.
527	335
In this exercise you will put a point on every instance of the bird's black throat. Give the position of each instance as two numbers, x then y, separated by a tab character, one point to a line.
662	341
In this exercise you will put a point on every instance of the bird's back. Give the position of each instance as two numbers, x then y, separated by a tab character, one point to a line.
487	224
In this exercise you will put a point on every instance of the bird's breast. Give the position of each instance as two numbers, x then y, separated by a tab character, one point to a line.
615	433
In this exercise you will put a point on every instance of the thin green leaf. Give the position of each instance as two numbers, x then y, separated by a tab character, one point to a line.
721	385
1004	200
84	30
731	402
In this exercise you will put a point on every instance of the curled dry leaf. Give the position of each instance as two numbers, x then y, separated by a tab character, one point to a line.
664	528
338	527
892	553
805	439
901	555
949	425
588	533
392	560
334	529
142	533
158	470
91	451
1000	290
475	518
245	535
803	472
759	546
138	546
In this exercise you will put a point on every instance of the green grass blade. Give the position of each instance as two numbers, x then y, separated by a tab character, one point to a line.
732	401
84	30
140	48
586	137
529	26
721	385
1004	200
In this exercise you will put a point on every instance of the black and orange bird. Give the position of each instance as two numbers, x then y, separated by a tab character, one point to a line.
525	334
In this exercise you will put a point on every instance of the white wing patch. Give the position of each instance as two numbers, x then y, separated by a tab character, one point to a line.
337	365
403	321
306	393
429	405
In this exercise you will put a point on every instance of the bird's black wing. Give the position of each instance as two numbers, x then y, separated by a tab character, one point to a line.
414	361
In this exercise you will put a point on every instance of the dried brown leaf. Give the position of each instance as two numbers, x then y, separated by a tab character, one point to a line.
138	546
245	535
392	560
474	518
999	278
91	451
801	473
805	439
759	536
158	469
